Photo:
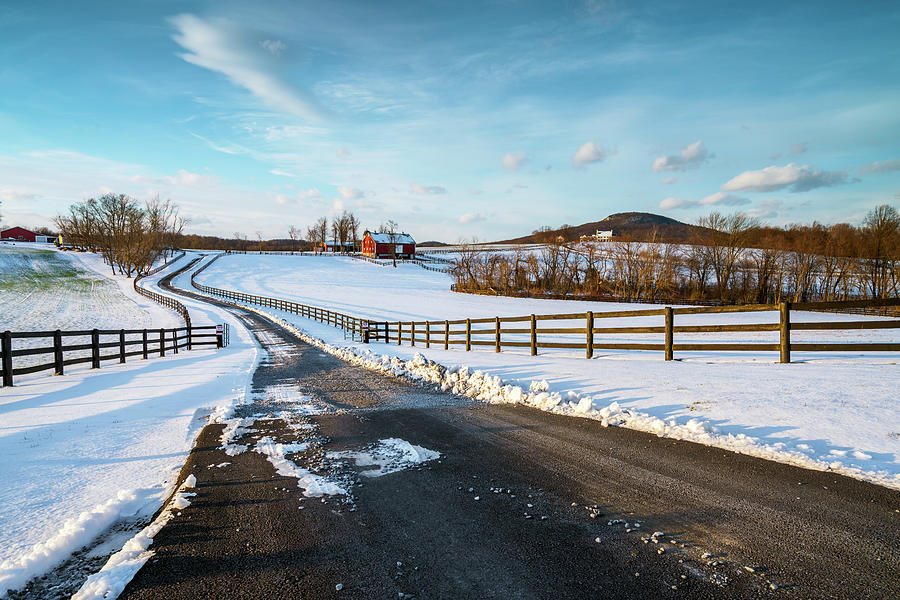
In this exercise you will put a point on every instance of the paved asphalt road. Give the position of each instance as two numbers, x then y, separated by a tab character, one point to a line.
742	526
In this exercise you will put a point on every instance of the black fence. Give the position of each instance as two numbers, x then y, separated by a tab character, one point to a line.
99	345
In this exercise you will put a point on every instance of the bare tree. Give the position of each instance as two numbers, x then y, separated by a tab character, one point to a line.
294	234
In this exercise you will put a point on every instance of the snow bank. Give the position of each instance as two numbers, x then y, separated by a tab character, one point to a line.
17	570
121	567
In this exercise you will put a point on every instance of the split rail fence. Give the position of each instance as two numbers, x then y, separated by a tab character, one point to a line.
538	331
125	343
90	348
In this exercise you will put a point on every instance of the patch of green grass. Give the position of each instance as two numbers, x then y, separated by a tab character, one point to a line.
42	271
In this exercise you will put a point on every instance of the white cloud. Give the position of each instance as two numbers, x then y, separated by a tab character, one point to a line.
350	193
514	161
669	180
717	199
283	199
275	47
337	205
471	217
673	203
884	166
796	178
343	153
427	190
281	173
723	199
222	46
798	148
588	153
310	194
187	178
476	191
691	157
16	196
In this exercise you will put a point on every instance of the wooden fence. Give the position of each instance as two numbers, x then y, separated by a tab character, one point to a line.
148	343
166	301
527	332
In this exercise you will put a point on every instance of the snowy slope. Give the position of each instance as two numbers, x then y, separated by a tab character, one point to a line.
42	289
88	448
824	411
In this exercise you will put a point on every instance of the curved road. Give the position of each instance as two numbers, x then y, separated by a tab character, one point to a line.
518	506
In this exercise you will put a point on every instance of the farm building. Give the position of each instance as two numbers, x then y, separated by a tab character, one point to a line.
388	245
20	234
335	246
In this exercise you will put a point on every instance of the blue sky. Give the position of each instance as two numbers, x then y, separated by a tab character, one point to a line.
457	120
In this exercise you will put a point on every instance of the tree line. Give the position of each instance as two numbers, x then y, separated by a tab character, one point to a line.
732	259
129	235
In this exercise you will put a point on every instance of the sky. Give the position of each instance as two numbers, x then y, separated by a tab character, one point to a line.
457	120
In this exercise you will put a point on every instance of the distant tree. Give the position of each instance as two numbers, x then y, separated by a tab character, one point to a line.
294	234
881	250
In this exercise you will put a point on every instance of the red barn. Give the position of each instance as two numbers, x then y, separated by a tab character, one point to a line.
18	234
388	245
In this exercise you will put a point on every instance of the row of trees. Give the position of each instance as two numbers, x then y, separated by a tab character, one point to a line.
344	229
129	235
731	260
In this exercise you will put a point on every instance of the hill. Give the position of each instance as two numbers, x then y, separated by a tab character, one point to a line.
629	225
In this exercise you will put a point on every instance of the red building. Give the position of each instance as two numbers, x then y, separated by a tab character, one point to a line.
388	245
18	234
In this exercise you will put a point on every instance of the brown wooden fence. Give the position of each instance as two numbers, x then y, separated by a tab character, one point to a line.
124	343
166	301
531	331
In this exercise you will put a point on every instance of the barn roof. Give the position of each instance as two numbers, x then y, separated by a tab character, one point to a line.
386	238
17	230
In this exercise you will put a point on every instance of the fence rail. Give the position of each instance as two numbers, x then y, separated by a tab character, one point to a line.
125	343
166	301
490	331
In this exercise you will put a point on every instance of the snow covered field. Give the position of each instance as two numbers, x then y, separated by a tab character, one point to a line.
42	289
85	450
827	411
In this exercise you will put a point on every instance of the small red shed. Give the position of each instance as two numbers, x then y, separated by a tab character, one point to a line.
388	245
18	234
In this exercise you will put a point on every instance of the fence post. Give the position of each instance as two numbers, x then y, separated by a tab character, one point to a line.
533	335
468	334
174	340
95	349
188	337
57	353
589	335
670	333
785	331
7	358
399	331
446	335
496	334
162	342
428	334
412	333
144	339
121	345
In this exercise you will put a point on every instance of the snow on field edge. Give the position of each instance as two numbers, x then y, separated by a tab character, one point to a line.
482	386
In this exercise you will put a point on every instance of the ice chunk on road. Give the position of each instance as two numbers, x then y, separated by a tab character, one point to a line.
389	456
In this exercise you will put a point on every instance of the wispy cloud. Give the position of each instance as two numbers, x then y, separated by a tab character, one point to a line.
245	58
791	176
427	190
350	193
717	199
884	166
472	217
588	153
514	161
691	157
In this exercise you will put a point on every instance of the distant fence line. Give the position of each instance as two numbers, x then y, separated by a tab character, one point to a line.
166	301
460	332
